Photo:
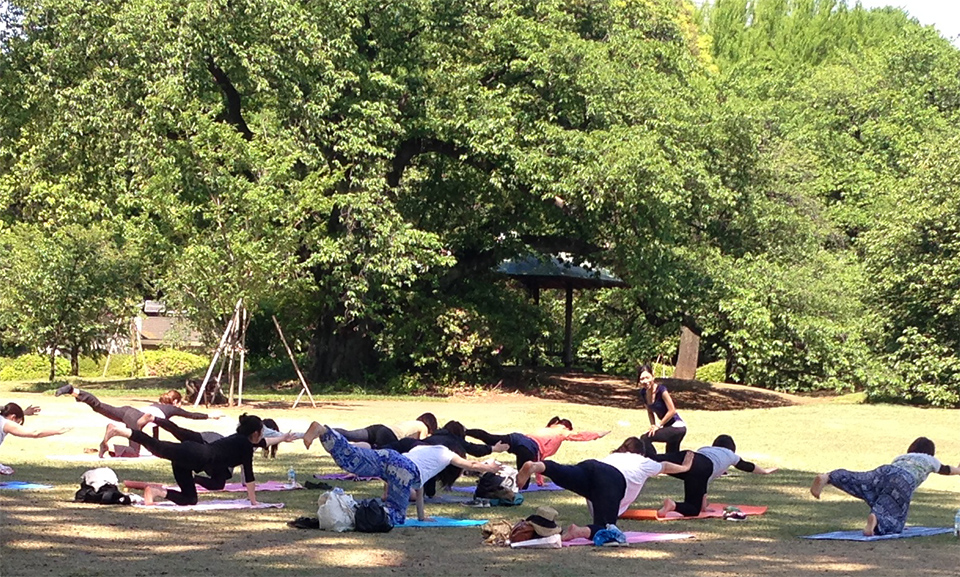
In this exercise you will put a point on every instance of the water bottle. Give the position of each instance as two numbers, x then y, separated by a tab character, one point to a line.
291	478
956	524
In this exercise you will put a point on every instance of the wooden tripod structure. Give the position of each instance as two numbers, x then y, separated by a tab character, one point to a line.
233	340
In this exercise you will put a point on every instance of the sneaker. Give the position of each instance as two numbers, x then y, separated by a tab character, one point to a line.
64	390
479	503
5	470
318	485
610	536
734	516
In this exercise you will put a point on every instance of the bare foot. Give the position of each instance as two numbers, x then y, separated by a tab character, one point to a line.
819	482
529	469
668	506
104	449
142	421
575	532
871	527
112	431
149	494
313	432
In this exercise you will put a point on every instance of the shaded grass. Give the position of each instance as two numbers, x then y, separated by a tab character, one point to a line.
44	533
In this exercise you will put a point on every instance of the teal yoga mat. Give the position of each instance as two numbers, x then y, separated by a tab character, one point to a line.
443	522
22	486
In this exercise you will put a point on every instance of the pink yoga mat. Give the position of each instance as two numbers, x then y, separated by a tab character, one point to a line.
716	511
635	537
343	477
229	487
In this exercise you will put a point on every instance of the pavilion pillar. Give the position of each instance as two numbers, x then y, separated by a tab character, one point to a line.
568	329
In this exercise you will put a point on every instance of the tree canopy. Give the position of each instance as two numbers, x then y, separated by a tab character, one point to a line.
360	169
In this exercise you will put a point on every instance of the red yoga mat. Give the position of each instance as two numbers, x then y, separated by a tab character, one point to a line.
716	511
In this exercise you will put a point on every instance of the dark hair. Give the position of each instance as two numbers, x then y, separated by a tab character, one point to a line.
632	445
922	445
249	424
171	397
12	410
456	429
726	442
430	421
558	421
644	367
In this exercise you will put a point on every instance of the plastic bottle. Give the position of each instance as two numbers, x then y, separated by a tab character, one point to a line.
956	524
291	478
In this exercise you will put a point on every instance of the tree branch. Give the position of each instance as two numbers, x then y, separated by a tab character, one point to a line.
232	114
413	147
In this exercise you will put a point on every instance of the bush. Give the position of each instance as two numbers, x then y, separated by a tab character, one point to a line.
31	368
715	372
171	363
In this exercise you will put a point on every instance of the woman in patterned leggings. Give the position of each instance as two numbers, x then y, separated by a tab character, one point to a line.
888	488
400	472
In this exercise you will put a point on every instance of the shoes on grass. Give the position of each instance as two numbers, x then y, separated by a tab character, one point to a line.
610	536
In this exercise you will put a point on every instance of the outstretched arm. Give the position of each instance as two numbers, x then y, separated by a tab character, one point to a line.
584	435
949	470
674	469
478	466
16	430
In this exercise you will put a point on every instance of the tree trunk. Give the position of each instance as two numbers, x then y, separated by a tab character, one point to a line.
340	353
53	364
75	360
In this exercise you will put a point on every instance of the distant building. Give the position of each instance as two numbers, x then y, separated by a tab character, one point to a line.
159	327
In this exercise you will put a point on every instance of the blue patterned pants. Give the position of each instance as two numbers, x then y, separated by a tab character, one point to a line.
398	472
886	489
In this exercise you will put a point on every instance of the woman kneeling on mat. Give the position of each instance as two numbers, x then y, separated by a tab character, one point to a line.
402	473
609	484
194	455
888	488
708	464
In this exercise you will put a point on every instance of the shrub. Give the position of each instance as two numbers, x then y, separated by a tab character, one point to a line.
715	372
171	363
32	367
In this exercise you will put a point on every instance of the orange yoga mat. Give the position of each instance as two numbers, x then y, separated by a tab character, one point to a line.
716	511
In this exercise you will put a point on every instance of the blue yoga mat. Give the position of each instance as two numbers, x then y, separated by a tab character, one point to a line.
22	485
443	522
859	536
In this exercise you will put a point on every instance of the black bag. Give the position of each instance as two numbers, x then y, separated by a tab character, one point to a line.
371	517
107	494
490	486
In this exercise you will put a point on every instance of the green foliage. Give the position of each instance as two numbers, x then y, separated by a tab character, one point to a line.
715	372
169	362
31	367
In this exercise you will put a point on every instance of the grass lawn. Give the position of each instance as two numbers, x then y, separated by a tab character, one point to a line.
46	533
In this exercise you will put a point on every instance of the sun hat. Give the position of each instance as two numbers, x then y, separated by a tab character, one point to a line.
544	521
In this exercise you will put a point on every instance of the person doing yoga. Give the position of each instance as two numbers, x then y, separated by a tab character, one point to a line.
708	464
401	473
888	488
194	454
538	445
167	408
12	417
609	484
379	436
666	426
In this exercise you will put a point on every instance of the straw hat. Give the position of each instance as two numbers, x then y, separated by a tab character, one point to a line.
545	521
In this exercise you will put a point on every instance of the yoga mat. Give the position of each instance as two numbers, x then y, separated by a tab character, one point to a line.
93	458
229	487
859	536
22	486
211	505
441	499
343	477
443	522
715	513
635	537
531	488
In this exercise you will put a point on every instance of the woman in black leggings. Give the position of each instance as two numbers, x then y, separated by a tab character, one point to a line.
666	426
167	407
193	454
610	484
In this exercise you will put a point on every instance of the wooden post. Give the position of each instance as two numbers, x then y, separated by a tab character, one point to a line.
687	357
568	329
216	354
245	320
303	381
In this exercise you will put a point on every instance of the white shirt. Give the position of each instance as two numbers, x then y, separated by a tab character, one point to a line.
636	469
722	459
3	433
430	460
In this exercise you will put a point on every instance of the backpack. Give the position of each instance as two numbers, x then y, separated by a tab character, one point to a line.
371	517
100	486
493	486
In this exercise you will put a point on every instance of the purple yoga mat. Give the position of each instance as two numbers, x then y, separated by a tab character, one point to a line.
531	488
211	505
635	537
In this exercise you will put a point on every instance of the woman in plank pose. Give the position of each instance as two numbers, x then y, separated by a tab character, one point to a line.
888	488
